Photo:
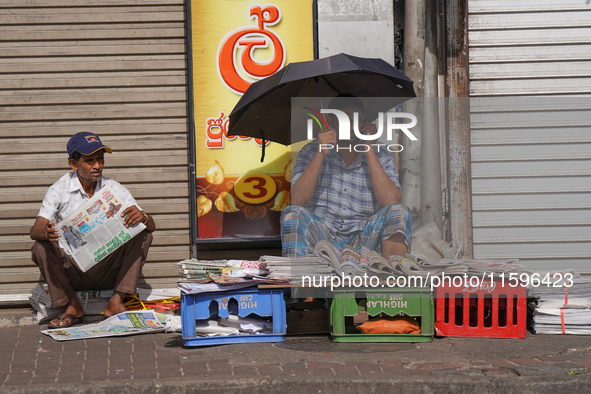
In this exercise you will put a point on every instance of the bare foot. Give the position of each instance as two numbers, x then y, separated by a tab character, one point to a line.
115	305
72	312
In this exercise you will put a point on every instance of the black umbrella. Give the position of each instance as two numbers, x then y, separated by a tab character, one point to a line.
264	111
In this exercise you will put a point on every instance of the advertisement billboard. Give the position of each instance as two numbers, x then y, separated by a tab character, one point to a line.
235	43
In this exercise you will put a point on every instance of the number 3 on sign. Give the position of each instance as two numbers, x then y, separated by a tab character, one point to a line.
256	188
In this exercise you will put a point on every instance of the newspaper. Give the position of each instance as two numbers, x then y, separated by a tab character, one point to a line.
96	229
124	323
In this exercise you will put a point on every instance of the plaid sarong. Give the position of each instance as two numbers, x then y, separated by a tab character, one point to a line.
301	230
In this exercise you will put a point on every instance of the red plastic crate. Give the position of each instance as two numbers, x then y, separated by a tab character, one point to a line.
488	310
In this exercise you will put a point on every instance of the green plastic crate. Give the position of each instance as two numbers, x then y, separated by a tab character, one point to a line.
413	301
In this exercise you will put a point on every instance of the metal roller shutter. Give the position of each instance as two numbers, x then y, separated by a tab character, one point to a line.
531	174
114	67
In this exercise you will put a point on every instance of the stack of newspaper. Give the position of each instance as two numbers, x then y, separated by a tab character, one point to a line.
204	276
563	304
198	271
364	261
286	269
204	271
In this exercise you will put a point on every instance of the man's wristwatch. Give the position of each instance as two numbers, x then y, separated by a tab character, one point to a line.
145	217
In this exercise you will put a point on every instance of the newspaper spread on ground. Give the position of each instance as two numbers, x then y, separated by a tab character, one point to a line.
96	229
124	323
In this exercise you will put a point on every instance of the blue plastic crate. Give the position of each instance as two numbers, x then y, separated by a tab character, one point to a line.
262	302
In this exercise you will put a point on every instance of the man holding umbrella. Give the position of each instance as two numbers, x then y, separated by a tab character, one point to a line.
347	196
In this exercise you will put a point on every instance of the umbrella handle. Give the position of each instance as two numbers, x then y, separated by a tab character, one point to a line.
264	144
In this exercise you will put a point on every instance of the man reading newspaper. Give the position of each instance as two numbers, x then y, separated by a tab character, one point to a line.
121	269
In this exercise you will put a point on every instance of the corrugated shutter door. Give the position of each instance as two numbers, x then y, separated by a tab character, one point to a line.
531	180
117	68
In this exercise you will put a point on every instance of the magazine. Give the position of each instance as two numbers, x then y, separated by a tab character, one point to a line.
124	323
96	229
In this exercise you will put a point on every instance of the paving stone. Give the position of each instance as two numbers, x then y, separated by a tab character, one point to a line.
164	373
568	365
501	363
458	372
368	369
395	371
478	364
44	380
550	358
539	370
525	361
390	363
195	365
500	372
74	346
439	365
319	372
244	370
47	372
227	371
314	364
69	377
98	352
585	362
19	378
343	370
145	374
217	361
53	346
74	358
48	357
23	359
96	374
289	371
119	372
573	356
22	366
269	370
294	364
147	364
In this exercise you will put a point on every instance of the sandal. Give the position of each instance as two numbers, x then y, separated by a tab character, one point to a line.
73	321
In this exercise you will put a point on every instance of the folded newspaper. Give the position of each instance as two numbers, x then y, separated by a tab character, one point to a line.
563	304
364	261
96	229
124	323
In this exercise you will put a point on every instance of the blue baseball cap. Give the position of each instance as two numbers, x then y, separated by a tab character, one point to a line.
86	143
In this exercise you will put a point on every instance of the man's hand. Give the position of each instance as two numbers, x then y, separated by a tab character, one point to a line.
327	137
132	216
44	230
369	129
52	234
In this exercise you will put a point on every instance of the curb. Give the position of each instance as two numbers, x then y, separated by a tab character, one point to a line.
520	385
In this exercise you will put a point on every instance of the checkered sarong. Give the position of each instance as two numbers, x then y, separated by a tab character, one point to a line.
301	230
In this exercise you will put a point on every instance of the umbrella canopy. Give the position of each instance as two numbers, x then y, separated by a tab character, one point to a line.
264	111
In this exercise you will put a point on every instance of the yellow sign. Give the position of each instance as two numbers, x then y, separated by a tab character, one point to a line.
236	43
255	188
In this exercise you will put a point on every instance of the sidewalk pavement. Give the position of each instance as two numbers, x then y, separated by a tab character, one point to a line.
31	362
